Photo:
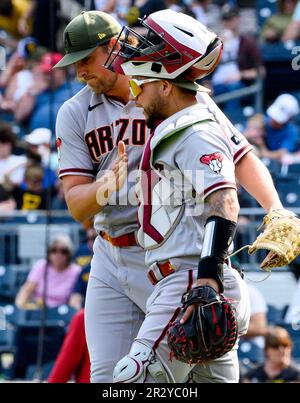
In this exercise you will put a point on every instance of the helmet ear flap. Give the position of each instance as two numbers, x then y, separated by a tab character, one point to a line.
207	64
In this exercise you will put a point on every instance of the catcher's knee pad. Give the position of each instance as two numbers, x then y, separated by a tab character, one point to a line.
133	368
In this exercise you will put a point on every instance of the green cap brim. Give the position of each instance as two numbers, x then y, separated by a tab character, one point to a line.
74	57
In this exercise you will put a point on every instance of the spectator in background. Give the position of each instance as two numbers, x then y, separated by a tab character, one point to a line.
241	62
278	366
73	359
11	166
11	12
18	77
293	30
291	158
62	275
39	143
281	133
83	257
275	26
116	8
45	25
255	133
15	64
258	325
31	195
200	10
141	8
40	104
107	6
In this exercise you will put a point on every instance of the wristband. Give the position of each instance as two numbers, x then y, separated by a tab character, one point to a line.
218	235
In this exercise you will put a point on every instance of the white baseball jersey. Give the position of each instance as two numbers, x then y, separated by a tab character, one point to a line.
88	129
197	151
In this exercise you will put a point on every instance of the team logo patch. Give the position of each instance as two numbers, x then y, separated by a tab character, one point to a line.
236	140
214	161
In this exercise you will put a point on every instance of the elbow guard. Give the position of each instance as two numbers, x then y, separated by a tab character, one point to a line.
218	235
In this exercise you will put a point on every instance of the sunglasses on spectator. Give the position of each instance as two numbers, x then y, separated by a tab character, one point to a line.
136	85
60	250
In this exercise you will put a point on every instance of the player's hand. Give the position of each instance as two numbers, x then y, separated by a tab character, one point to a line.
202	281
120	166
114	179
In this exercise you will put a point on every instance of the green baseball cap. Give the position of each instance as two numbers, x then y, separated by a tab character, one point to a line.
85	33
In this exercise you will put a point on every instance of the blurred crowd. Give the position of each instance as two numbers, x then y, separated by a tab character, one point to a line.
31	93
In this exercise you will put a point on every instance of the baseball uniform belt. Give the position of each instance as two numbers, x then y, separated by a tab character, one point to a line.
158	271
121	241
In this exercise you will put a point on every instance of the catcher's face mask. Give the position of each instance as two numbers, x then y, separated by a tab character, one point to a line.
173	44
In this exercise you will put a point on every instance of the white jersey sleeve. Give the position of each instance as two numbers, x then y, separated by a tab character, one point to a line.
205	157
73	154
239	143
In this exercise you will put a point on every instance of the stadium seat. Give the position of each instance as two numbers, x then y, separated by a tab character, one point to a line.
294	332
32	239
31	371
27	324
26	348
288	188
59	316
12	277
294	169
7	338
274	315
273	166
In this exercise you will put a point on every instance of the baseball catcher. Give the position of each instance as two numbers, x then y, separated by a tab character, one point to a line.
281	237
209	332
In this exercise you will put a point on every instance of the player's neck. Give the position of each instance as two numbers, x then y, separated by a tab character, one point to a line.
121	91
176	105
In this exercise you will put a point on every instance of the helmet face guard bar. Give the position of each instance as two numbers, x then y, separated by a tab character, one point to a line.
172	45
152	46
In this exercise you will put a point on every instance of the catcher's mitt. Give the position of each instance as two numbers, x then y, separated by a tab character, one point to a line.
210	331
281	237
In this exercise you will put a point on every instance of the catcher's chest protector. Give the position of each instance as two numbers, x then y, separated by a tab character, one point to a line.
162	195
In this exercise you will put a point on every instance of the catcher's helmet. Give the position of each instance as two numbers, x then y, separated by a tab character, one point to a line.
174	43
